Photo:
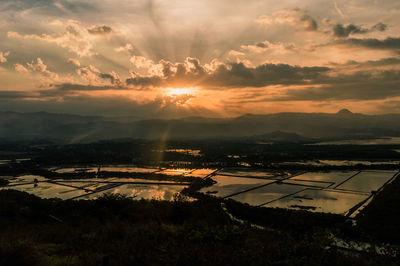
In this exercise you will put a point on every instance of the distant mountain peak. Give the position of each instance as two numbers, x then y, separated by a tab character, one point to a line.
344	112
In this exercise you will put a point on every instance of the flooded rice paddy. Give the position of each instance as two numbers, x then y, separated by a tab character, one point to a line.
329	192
93	188
375	141
336	192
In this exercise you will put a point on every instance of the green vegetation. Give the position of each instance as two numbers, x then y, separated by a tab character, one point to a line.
213	154
114	230
381	217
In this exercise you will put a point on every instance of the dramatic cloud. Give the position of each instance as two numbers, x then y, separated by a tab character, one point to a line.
16	94
78	87
127	48
375	63
358	86
266	45
192	73
3	56
294	17
38	67
379	27
89	74
20	68
343	31
340	30
74	38
74	61
371	43
100	30
112	77
228	57
52	6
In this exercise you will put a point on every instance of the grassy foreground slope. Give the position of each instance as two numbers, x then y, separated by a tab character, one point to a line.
114	230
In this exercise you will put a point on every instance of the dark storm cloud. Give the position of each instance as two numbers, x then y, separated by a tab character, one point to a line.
79	87
109	106
362	85
59	90
375	63
344	31
142	82
309	22
239	75
371	43
340	30
229	75
15	94
262	45
112	78
379	27
100	30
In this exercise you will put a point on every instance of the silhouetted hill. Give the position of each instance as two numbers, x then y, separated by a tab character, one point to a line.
344	112
276	127
279	136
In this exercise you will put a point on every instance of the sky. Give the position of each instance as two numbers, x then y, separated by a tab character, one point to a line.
178	58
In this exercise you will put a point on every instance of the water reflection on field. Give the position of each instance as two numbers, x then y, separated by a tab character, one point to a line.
191	152
321	201
249	173
228	185
49	190
324	163
92	188
133	169
266	194
201	172
377	141
23	179
331	177
330	192
334	192
367	181
157	192
107	168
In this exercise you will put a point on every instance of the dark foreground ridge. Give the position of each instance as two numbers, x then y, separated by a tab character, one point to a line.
115	230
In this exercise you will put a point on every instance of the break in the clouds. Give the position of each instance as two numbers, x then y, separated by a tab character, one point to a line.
218	58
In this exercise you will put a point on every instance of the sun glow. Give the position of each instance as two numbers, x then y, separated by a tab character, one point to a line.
180	91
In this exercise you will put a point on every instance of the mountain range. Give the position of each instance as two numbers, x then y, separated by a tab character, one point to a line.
276	127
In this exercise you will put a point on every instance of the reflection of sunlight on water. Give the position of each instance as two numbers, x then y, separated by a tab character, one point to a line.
157	192
329	192
335	177
321	201
191	152
173	172
201	172
368	181
132	169
334	192
48	190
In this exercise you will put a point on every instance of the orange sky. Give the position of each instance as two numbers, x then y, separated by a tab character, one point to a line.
182	58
